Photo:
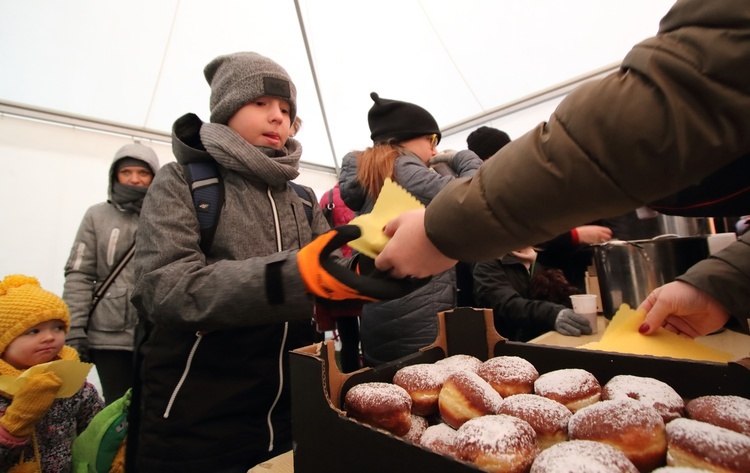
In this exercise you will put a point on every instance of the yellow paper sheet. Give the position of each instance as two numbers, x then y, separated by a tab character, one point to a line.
392	202
73	375
622	336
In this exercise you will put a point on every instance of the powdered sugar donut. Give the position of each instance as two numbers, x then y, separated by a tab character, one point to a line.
497	443
548	418
701	445
381	405
634	428
678	469
460	363
730	412
649	391
465	396
423	383
582	456
418	426
572	387
440	438
509	375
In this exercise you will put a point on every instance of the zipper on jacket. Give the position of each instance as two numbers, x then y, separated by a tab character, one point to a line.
189	362
277	225
281	386
276	222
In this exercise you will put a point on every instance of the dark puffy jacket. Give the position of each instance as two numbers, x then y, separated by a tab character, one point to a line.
675	116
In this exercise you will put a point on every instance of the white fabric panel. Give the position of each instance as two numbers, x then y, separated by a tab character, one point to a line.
50	175
140	62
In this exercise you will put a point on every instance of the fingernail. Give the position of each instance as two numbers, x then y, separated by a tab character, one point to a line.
643	328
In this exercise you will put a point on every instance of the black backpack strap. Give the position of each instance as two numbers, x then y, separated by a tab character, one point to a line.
307	201
207	189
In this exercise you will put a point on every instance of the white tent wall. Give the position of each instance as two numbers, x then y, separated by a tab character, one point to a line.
139	63
51	175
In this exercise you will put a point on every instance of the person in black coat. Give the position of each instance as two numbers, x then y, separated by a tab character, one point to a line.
527	300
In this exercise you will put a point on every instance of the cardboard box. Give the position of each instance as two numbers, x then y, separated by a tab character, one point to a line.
325	440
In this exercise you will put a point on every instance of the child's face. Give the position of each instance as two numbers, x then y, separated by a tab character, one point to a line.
425	147
40	344
263	122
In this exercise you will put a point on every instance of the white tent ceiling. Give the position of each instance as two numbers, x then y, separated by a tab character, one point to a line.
139	63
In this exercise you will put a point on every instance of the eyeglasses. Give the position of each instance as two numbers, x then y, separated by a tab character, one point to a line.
433	140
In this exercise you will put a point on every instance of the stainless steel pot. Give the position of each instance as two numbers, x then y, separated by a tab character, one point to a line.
629	270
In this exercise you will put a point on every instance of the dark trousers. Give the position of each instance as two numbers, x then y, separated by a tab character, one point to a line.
348	329
115	369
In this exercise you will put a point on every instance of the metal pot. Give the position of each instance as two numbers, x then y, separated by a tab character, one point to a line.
629	270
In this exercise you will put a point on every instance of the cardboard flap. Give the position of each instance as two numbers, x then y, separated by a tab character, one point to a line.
466	325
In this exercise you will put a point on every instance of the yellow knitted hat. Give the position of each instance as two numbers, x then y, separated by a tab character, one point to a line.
23	304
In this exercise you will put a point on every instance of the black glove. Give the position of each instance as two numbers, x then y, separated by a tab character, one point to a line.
570	323
326	279
81	345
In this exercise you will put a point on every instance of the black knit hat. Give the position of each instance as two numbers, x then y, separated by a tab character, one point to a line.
394	120
486	141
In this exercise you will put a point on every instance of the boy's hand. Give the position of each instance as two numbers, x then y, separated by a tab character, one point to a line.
30	404
326	279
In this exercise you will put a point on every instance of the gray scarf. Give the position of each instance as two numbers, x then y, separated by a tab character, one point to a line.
274	167
128	197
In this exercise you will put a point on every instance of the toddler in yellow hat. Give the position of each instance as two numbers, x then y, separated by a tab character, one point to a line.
37	428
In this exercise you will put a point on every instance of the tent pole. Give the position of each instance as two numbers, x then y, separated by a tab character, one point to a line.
317	85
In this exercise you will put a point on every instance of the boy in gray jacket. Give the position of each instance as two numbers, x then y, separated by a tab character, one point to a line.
215	383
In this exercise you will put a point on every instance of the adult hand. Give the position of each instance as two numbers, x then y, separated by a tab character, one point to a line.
81	345
572	324
410	252
593	234
326	279
683	309
446	157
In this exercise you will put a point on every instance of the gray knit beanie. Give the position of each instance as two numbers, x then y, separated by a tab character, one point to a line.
237	79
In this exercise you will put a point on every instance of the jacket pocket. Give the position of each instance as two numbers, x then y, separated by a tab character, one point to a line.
114	312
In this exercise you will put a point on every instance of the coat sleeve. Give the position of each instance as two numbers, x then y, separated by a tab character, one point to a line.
677	111
81	276
513	313
725	275
91	404
352	192
424	183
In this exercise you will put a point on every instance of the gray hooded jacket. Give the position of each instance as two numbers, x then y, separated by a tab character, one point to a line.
105	234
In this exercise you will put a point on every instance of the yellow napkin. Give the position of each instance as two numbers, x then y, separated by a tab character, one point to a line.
622	336
72	373
392	202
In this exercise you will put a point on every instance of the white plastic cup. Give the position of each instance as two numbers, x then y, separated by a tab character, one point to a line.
585	305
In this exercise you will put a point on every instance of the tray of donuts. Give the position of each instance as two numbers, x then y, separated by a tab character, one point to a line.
473	401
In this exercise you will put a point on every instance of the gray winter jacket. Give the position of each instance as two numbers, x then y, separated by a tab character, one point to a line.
105	234
215	371
393	329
